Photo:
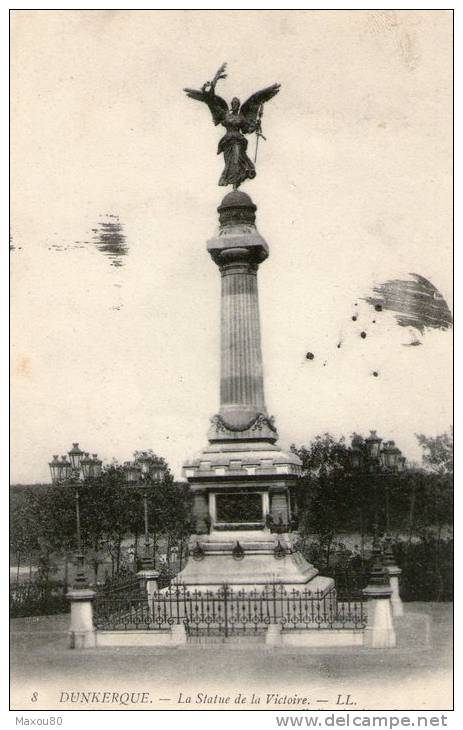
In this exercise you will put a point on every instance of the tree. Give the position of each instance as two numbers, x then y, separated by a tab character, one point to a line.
37	526
438	458
325	490
23	529
168	511
438	461
438	452
56	525
104	519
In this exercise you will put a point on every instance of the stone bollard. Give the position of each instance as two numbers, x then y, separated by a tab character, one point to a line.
148	581
393	571
82	633
379	632
273	636
396	601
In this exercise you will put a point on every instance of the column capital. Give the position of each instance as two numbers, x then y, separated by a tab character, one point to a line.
80	594
238	241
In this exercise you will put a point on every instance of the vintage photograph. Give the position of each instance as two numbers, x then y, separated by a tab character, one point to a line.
231	477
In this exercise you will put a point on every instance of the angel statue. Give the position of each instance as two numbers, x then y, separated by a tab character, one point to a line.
241	119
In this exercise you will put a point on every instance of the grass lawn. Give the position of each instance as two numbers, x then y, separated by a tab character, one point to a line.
416	675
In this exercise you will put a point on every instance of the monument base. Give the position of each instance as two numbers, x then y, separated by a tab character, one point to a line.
249	560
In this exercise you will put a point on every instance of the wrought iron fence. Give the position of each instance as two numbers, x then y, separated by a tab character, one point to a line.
37	599
130	584
229	612
121	585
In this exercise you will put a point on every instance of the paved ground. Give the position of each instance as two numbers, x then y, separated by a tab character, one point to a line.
415	675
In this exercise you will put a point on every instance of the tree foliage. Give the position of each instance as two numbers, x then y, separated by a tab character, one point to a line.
43	521
438	452
335	499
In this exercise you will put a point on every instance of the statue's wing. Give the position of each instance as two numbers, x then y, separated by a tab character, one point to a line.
251	107
216	104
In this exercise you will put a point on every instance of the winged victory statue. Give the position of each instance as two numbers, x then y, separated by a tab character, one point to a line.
238	120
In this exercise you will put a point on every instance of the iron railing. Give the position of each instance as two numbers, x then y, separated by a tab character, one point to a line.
229	612
121	586
131	585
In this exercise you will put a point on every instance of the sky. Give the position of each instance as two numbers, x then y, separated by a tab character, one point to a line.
354	183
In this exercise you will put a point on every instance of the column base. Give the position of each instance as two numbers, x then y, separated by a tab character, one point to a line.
82	639
396	601
379	633
82	632
261	564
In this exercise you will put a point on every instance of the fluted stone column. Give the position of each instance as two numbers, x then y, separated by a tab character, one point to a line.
241	376
238	250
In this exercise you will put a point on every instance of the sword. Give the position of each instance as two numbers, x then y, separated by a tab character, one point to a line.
259	130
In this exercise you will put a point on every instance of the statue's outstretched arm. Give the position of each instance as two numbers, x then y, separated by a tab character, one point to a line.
216	104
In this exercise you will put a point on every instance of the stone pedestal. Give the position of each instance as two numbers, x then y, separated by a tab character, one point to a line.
396	601
393	571
148	581
82	632
379	632
242	482
260	560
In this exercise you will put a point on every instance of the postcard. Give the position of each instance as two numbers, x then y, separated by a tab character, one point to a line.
231	315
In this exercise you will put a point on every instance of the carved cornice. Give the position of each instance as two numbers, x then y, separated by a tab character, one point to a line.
237	214
257	423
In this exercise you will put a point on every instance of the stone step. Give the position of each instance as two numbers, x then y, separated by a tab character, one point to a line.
237	640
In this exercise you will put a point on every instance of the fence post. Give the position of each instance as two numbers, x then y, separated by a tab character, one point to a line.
396	601
82	633
148	581
225	608
379	632
394	571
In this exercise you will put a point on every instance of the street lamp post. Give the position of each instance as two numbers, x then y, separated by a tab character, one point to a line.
371	458
392	462
372	463
80	467
144	471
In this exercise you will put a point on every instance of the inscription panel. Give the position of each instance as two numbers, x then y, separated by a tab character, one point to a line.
240	507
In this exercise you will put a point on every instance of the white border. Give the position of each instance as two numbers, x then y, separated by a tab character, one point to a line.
210	719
